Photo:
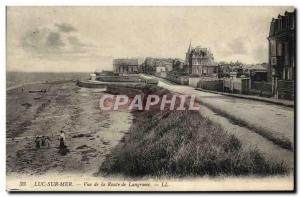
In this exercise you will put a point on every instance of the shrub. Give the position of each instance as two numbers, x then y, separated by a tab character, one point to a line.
183	143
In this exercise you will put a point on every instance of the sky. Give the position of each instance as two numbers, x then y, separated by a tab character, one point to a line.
86	39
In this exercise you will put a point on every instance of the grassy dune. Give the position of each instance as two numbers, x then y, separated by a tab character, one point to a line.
183	143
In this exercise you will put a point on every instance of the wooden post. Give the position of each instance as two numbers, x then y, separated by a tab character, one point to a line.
276	87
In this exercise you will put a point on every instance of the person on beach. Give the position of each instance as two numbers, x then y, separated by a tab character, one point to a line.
63	150
45	141
62	139
37	142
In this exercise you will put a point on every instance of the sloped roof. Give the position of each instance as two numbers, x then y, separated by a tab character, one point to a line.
132	62
256	67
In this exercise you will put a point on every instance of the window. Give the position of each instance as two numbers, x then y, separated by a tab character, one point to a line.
284	19
215	70
292	22
286	53
273	47
273	61
279	49
286	74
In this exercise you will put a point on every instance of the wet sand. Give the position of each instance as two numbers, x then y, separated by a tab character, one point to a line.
90	133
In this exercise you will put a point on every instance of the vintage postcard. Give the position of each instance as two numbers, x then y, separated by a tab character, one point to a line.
143	99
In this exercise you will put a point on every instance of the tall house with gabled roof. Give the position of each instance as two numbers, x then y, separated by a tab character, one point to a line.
282	50
200	61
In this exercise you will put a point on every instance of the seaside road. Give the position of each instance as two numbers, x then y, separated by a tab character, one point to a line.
259	116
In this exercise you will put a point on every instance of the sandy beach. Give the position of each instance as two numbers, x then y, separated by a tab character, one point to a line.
90	133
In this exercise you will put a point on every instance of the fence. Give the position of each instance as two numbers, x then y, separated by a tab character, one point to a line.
193	81
182	80
133	78
236	85
214	85
285	89
261	88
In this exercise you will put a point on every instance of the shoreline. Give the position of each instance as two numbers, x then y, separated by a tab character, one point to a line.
37	82
90	133
21	85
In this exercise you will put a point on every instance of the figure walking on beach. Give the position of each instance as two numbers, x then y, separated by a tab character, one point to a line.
63	150
62	139
37	142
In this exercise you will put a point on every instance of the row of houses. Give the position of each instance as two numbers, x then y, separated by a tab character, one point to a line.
278	74
150	65
198	61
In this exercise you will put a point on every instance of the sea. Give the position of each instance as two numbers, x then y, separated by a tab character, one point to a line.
17	79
